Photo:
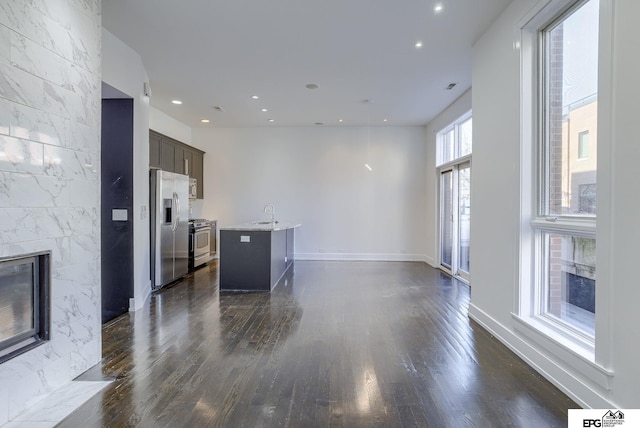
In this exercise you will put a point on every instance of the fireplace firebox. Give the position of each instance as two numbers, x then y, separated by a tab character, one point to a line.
24	303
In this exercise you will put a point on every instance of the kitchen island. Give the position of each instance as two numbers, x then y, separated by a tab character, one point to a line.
254	256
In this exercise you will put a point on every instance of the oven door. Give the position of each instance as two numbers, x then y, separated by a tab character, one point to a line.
201	245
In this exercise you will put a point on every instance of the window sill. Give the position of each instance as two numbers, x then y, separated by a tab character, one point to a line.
575	355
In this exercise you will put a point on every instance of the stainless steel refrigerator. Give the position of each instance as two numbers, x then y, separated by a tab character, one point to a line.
169	202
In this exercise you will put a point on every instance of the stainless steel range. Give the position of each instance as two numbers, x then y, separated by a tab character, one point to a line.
202	241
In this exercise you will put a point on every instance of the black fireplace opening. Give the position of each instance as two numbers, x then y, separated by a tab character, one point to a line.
24	303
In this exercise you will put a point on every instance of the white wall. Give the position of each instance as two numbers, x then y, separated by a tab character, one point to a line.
122	68
317	176
167	125
50	182
453	112
496	203
623	225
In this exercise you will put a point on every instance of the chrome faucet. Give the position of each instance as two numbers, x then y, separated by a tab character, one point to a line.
273	212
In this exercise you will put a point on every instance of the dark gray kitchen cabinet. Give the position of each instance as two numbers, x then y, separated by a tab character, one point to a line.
167	156
155	144
197	171
179	160
188	162
174	156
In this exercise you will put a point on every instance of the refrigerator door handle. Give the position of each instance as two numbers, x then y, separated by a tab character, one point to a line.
176	212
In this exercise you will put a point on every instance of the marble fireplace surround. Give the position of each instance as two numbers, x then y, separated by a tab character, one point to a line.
50	95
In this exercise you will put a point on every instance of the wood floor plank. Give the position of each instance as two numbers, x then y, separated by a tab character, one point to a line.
336	344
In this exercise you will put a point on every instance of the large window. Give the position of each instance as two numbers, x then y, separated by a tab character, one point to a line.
454	144
564	219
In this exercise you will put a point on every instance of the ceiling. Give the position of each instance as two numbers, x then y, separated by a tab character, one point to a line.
210	53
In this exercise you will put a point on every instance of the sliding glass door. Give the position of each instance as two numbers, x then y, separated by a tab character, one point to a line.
455	219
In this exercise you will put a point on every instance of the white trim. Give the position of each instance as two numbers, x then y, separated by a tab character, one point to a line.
458	161
607	192
142	300
364	257
555	344
586	229
586	394
430	261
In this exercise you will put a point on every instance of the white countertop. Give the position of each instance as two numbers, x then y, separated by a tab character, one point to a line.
263	226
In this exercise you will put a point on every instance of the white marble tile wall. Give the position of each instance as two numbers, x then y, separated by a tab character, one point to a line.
49	181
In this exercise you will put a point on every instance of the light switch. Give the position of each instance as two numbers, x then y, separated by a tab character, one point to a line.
119	214
245	238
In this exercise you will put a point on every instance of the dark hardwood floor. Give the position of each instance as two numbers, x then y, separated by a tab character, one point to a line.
350	344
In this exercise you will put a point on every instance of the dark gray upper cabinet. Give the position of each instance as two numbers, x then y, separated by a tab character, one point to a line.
188	163
179	160
172	155
155	144
197	171
167	156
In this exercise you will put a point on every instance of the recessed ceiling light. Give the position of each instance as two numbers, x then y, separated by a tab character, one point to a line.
312	86
254	97
385	120
205	121
177	102
271	120
264	110
437	8
340	120
418	45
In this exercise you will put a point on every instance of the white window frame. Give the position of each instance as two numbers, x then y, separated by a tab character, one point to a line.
583	354
581	155
455	127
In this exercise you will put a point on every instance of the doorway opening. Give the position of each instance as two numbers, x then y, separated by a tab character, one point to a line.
116	202
455	219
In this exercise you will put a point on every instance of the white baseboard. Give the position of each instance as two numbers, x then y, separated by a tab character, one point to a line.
361	257
579	389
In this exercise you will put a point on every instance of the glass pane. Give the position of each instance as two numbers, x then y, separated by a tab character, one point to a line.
464	207
16	300
465	137
583	145
447	146
202	240
571	84
571	280
446	179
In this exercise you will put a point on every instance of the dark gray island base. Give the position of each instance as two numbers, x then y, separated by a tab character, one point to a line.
253	257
